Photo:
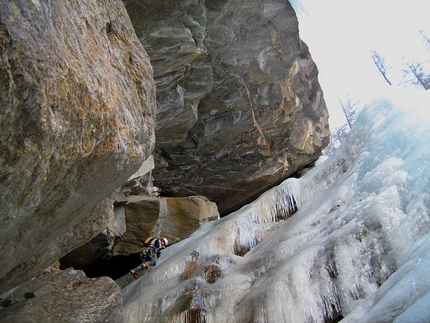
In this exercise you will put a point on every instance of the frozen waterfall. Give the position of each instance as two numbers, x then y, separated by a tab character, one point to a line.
348	241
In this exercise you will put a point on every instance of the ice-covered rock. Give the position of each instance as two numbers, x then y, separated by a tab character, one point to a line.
348	240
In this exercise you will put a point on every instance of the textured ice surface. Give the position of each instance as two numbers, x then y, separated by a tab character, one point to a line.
349	239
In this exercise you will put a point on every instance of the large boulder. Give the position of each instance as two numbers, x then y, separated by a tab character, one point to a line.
77	118
239	106
171	218
64	296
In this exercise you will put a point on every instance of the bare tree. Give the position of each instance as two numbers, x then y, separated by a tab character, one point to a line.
415	74
329	149
338	136
380	65
426	39
349	108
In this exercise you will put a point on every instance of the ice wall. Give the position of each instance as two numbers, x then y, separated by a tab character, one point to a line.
348	240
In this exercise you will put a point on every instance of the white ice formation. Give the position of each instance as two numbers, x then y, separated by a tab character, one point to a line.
350	240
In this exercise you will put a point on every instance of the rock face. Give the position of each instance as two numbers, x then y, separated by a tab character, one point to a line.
130	224
163	217
77	118
104	225
64	296
239	106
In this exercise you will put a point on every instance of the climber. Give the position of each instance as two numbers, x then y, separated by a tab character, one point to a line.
151	252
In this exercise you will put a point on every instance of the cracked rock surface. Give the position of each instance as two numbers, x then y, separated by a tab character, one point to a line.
77	119
239	106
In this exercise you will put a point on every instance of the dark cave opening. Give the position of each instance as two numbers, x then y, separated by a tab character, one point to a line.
113	267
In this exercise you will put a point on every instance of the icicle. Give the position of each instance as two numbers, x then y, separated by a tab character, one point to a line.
280	202
289	201
246	238
196	313
271	207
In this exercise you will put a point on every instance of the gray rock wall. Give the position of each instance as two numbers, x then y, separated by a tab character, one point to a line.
239	106
77	119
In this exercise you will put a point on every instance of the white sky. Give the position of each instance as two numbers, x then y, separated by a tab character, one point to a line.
341	35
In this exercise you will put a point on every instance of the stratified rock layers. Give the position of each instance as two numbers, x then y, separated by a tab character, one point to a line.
239	106
77	119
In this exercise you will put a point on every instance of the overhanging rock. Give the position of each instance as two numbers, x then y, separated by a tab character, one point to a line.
78	112
239	106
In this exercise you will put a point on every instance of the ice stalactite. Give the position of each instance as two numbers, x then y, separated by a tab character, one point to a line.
195	316
196	313
259	218
277	204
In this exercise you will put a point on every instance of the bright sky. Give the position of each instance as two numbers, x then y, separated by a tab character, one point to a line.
341	35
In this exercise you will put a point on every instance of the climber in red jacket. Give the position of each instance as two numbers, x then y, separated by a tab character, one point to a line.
151	252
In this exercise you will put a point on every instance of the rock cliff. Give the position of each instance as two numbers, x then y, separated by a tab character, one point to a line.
77	119
227	88
239	106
